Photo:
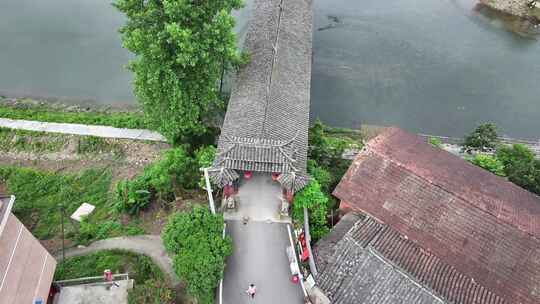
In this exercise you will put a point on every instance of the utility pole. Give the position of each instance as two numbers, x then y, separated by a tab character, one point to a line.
63	238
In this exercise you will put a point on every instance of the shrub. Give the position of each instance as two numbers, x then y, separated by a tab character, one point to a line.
195	241
483	138
520	166
204	156
176	170
489	163
327	152
89	231
321	175
316	202
435	142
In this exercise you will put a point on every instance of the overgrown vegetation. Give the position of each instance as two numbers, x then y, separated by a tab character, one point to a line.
516	162
326	153
316	202
489	163
181	48
520	166
483	138
41	194
29	141
194	239
204	156
150	287
435	142
130	120
162	180
94	145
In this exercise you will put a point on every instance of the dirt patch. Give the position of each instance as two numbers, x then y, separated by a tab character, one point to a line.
125	158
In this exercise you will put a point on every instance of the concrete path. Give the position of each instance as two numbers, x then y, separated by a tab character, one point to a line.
259	257
259	248
150	245
259	200
77	129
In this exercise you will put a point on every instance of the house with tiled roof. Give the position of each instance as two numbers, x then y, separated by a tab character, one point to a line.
26	268
430	224
267	119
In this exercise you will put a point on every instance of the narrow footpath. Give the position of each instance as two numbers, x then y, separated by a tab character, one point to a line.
149	245
78	129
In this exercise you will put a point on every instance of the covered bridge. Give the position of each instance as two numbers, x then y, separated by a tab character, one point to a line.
267	119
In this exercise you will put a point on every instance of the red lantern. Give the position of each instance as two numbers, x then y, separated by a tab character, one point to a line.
247	174
295	279
275	176
228	191
289	196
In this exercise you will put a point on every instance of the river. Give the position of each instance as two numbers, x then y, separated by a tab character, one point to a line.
432	66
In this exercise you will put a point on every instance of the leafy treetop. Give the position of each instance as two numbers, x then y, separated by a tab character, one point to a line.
483	138
199	251
180	49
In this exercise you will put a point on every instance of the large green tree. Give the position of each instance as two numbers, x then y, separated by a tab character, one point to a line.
180	48
195	241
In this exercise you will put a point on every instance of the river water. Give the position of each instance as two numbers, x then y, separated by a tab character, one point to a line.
432	66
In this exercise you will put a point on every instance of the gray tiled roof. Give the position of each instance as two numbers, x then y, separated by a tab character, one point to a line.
360	274
372	263
266	124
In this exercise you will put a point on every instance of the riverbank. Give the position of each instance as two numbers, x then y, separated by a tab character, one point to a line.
524	9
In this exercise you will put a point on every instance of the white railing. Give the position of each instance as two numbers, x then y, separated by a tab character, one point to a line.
91	280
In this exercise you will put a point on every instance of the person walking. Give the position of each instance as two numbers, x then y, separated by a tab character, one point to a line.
252	289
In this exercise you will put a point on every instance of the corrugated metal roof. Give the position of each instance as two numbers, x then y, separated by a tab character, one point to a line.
26	268
269	103
479	223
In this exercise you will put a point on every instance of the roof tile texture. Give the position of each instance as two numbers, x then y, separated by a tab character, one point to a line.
484	226
421	266
271	95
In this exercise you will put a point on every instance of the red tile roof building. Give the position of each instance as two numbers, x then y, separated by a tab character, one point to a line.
482	226
26	268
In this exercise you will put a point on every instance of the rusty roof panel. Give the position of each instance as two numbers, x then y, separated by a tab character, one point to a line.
452	209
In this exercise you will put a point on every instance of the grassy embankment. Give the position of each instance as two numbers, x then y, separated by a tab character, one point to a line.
151	285
130	120
42	195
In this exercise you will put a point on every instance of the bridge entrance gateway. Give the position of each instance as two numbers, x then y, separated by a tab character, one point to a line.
266	125
262	151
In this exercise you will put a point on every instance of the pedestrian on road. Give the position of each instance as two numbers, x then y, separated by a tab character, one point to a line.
251	290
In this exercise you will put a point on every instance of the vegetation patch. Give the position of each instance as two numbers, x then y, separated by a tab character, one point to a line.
162	180
326	166
172	44
194	239
29	141
312	198
516	162
98	145
42	195
150	287
130	120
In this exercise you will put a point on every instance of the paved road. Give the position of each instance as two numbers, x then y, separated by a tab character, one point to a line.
150	245
259	257
78	129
